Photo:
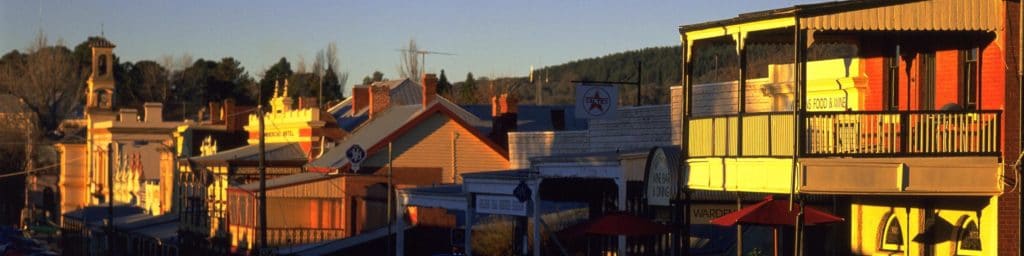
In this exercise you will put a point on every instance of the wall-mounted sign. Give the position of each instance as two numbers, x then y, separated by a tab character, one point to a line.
662	180
503	205
355	155
596	101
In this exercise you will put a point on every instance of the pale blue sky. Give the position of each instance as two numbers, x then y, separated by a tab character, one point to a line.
490	38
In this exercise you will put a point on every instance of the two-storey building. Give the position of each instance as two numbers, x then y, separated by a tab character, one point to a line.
905	112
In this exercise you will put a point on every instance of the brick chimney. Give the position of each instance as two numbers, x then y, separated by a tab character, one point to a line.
505	118
429	88
308	102
215	112
360	98
380	99
153	112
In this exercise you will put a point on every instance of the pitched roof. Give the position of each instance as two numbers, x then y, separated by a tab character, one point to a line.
531	118
393	122
274	152
100	42
403	92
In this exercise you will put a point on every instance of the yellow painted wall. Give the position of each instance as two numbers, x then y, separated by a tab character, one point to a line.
430	144
768	175
867	218
74	177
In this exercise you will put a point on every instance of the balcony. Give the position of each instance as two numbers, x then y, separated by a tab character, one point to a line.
848	134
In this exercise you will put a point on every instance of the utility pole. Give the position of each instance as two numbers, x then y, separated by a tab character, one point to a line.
389	207
263	177
110	198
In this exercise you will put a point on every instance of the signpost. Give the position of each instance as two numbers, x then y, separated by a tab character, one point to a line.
355	155
662	177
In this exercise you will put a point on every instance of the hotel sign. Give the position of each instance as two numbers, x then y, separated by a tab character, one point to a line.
503	205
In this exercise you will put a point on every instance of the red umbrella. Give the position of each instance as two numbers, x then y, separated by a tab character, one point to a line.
621	224
774	213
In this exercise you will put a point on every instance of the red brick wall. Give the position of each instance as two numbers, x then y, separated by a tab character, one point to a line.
1009	202
873	70
946	77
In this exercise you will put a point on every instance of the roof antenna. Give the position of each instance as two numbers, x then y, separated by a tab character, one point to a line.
101	30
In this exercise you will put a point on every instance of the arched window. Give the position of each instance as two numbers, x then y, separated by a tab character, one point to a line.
968	240
101	65
892	234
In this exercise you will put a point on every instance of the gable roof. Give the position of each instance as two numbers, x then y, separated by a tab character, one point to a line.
403	92
394	122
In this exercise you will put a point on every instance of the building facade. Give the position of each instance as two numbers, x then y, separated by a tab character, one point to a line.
906	113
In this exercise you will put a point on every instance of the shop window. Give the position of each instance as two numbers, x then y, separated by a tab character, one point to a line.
892	234
969	78
969	239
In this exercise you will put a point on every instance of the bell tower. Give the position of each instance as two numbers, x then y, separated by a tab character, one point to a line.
101	80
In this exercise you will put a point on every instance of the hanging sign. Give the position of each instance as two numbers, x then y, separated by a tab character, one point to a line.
355	155
596	101
662	176
503	205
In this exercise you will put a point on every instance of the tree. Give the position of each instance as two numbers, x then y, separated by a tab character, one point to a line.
410	66
47	79
443	86
279	71
378	76
144	81
44	86
467	91
325	67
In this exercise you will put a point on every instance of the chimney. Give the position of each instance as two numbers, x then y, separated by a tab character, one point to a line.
215	112
308	102
505	118
360	98
228	113
558	119
129	115
380	99
429	88
153	111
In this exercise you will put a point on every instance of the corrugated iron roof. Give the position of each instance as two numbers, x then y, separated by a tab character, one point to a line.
274	152
879	15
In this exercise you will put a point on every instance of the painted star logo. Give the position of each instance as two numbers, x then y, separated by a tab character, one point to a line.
597	101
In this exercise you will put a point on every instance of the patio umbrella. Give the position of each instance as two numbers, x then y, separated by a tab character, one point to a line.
624	224
774	213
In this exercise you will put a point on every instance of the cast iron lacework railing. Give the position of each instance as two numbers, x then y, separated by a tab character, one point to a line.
848	133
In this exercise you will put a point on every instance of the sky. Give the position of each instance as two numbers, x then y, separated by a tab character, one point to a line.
488	38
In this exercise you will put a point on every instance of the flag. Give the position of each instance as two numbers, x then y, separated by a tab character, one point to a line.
596	101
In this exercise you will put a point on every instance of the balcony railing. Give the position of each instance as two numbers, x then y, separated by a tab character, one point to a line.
857	133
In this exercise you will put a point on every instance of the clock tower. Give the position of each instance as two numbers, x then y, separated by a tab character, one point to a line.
101	80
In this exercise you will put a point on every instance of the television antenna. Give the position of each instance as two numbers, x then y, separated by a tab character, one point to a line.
423	56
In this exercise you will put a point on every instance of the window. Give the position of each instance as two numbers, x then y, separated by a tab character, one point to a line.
891	84
968	239
926	86
892	234
969	78
101	66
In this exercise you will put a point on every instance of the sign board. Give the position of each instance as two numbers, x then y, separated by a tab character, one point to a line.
355	155
661	181
704	213
596	101
503	205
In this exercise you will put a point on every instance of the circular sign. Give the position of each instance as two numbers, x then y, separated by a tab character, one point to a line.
662	178
355	155
597	101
